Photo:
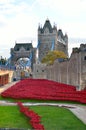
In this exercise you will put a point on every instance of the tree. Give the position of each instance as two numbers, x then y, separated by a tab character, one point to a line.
2	61
52	56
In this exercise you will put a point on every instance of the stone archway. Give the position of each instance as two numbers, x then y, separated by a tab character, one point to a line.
23	50
23	62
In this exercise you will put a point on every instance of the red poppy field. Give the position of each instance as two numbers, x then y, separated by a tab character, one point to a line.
35	119
42	89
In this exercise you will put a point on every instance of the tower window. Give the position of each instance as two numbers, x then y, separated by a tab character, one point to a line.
85	58
28	49
17	49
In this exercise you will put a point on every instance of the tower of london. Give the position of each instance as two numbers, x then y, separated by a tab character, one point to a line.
49	38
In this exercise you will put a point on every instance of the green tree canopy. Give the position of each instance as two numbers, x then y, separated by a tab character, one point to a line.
52	56
2	61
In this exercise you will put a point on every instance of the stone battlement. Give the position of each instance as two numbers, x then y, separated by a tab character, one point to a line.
71	71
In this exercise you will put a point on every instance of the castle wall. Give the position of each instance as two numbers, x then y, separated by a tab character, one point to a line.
71	72
65	72
39	71
83	69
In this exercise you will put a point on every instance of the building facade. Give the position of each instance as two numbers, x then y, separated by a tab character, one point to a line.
49	38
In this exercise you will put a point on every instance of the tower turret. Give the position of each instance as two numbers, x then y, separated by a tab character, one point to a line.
49	36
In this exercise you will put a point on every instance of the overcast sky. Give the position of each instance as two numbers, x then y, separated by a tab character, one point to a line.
19	20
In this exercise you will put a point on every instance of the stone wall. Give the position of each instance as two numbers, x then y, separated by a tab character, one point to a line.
72	71
39	71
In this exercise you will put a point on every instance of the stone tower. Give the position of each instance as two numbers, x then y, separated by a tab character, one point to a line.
82	64
49	38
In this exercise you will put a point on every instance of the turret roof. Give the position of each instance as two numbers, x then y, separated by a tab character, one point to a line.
60	33
26	46
48	25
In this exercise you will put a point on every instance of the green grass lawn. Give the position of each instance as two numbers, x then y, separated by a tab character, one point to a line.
10	117
36	101
53	118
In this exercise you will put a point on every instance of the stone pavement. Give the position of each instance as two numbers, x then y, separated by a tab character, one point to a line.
77	109
80	112
3	88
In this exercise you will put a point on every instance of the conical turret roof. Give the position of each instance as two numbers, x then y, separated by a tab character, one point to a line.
48	25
